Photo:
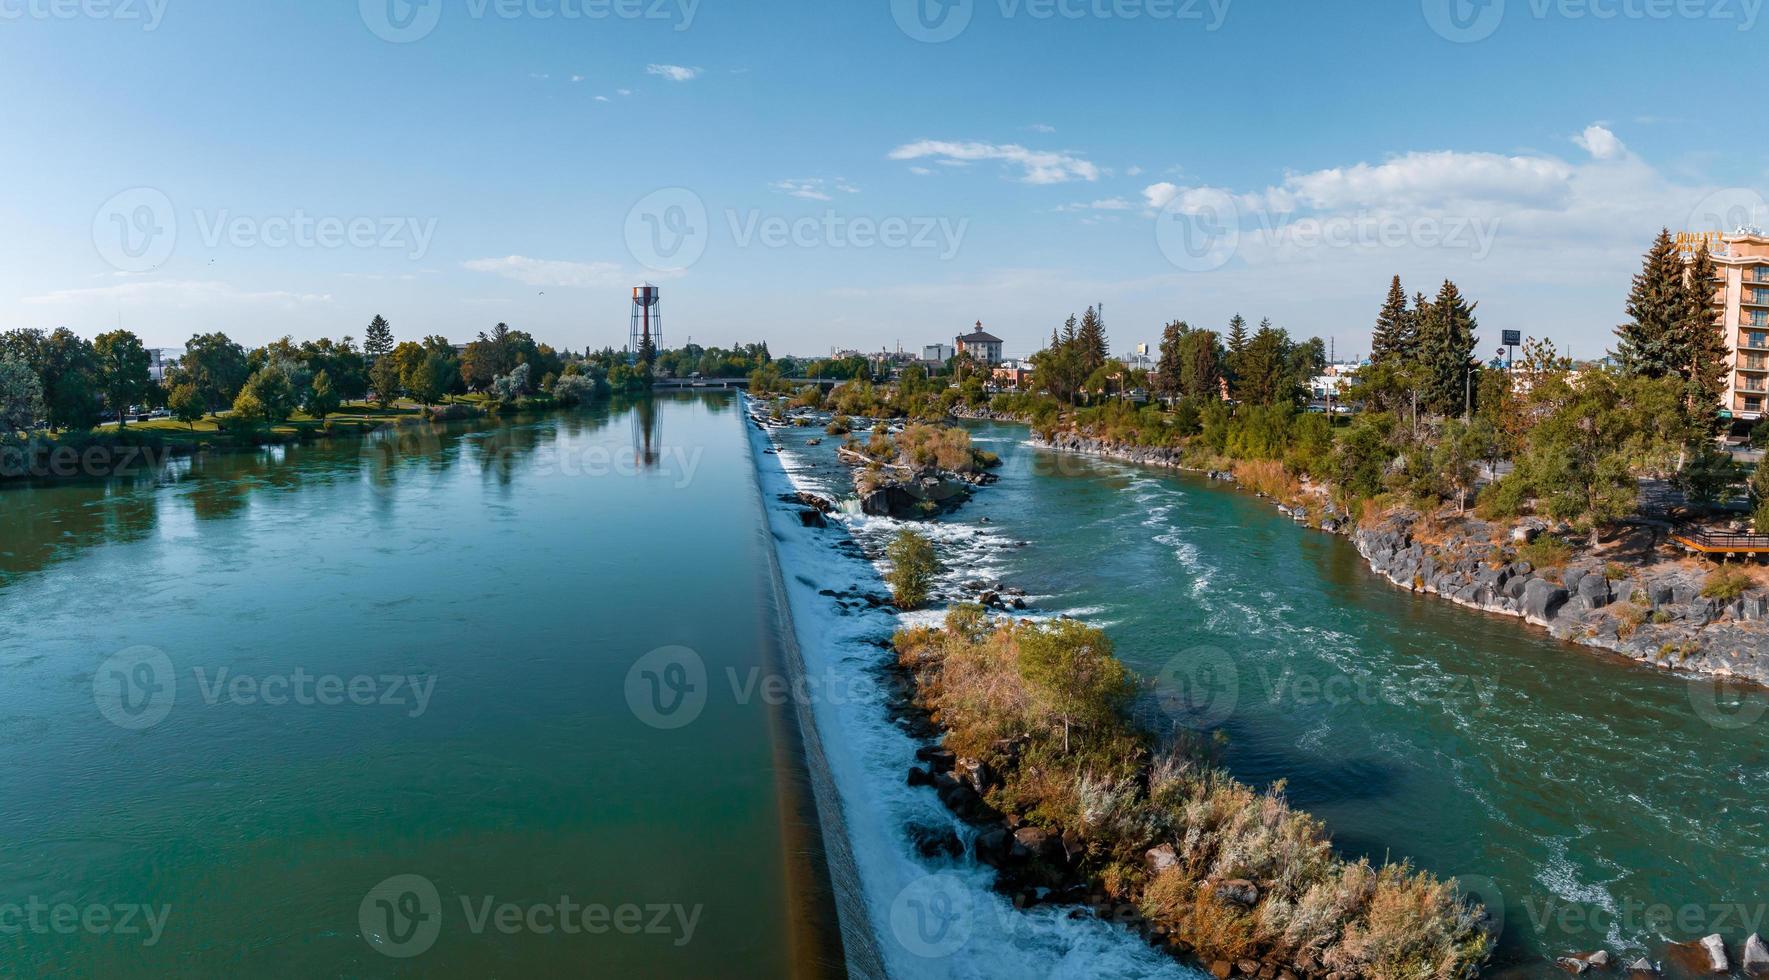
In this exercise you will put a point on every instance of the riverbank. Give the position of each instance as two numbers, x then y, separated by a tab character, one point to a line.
911	855
1647	607
1019	883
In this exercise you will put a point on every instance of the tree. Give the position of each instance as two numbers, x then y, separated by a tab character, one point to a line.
322	398
378	342
1169	371
1071	672
21	399
1264	369
122	371
216	366
384	375
1446	351
1657	305
1091	346
914	566
70	377
432	377
268	397
1237	334
1395	337
1201	366
187	404
1461	447
1708	476
1699	346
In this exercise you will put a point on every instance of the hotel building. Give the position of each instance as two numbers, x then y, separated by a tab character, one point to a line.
1742	300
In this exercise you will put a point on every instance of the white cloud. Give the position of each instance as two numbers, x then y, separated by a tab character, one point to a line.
675	73
551	272
577	78
623	92
1157	195
1600	143
1134	171
1045	128
1107	204
1436	178
1038	166
177	293
921	171
602	98
815	188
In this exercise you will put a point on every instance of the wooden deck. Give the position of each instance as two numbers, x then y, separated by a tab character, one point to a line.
1705	542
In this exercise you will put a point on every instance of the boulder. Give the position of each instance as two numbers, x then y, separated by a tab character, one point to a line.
1039	843
812	518
1715	948
1240	892
1572	964
992	845
1599	959
1756	956
1161	858
1594	589
1641	965
1542	599
935	842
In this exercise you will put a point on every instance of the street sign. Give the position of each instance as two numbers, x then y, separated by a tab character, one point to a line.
1513	338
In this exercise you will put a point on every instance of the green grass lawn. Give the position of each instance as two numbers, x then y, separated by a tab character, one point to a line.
352	418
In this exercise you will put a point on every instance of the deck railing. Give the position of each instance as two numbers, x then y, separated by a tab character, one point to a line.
1703	539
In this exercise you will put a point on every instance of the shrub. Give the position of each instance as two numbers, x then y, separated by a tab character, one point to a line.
913	567
1503	498
838	426
1726	584
1545	552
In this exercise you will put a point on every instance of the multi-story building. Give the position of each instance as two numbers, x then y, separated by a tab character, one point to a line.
985	348
1741	298
938	354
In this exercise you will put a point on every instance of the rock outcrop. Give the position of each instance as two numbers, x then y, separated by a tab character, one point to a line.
1659	618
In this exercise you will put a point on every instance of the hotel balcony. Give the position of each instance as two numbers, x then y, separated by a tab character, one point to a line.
1756	365
1755	299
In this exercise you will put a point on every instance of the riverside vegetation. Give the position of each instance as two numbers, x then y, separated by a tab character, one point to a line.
57	390
1081	803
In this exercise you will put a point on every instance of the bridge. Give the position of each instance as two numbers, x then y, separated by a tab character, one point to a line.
719	384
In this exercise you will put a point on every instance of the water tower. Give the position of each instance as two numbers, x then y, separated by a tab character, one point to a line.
647	335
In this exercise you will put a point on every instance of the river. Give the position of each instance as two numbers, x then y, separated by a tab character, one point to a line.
1593	803
383	660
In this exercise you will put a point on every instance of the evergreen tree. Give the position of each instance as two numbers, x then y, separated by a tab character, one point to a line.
1201	366
378	342
1395	335
1237	334
1093	349
1170	371
1701	344
1446	351
1657	305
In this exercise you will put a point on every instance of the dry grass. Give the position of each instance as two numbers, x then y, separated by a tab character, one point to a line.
1268	476
1124	794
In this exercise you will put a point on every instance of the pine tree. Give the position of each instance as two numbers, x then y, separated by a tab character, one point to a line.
1657	304
1701	343
1446	350
1237	334
1395	336
379	341
1094	350
1170	371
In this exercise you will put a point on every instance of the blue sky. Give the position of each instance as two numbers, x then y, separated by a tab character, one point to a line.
863	182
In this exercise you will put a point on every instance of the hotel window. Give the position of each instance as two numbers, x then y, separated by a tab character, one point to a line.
1759	318
1756	340
1761	274
1753	404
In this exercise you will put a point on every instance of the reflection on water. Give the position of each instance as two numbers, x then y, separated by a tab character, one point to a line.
494	561
44	522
